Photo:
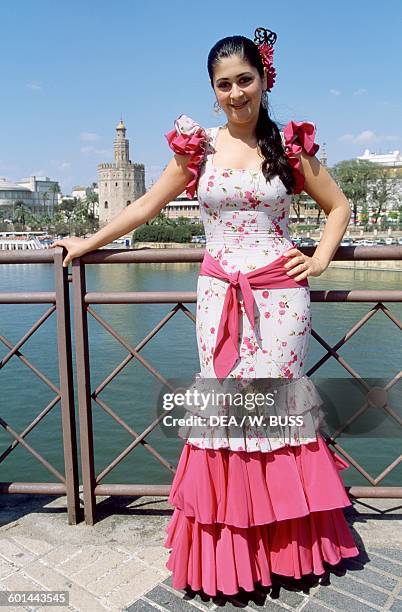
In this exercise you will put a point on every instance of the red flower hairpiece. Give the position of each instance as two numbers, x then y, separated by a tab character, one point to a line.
265	39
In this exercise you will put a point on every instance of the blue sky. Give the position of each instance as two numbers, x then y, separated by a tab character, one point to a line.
70	69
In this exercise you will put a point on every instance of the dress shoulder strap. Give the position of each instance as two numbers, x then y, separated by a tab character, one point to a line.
212	134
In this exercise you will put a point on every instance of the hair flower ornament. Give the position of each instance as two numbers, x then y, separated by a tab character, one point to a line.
265	40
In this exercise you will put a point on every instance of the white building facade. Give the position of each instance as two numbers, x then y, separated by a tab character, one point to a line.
389	160
40	194
79	192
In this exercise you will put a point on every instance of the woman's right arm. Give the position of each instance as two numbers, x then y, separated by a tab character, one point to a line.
170	184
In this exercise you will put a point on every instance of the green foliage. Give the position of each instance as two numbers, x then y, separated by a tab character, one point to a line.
359	178
162	229
162	233
301	227
71	217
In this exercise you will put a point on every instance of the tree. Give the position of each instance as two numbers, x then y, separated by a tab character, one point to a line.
160	219
80	218
381	191
21	214
296	204
65	212
73	217
55	189
91	199
353	178
364	214
45	198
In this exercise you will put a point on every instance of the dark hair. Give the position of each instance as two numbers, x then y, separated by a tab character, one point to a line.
267	132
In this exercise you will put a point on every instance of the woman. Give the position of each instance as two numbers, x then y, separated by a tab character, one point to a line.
252	504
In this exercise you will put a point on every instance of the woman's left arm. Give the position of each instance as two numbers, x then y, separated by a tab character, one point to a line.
322	188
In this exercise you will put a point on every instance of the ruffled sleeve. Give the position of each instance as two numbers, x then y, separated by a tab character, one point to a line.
299	136
188	138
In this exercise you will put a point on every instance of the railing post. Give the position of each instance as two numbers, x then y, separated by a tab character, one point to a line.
67	388
84	389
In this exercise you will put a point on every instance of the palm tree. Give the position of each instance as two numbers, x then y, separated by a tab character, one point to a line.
91	199
20	213
55	189
45	197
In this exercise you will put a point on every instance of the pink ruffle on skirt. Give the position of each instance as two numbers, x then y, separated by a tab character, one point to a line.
240	516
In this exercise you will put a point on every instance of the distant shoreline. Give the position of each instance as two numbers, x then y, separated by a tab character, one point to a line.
379	265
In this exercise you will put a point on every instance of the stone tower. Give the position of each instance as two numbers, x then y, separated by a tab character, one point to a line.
323	156
121	182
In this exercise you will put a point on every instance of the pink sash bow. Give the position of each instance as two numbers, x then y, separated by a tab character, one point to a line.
271	276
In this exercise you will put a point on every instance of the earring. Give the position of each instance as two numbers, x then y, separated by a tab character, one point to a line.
217	108
264	99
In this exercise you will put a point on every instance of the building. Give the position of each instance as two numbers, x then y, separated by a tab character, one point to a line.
392	163
10	193
392	159
40	194
189	209
79	192
120	183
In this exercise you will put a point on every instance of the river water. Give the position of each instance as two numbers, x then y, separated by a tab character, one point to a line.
375	352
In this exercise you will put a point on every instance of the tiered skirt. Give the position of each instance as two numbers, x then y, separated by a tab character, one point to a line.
241	516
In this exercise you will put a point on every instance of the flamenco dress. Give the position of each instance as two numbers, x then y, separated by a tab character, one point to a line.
247	503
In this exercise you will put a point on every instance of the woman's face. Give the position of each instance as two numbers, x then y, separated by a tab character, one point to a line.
236	82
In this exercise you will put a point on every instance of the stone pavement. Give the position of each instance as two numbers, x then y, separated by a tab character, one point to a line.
119	564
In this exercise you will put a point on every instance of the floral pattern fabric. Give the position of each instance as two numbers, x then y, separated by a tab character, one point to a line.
240	517
246	227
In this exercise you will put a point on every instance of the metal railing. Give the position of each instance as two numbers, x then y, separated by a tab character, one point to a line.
83	300
66	483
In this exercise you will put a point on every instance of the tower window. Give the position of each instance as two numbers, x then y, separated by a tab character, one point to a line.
106	205
128	184
116	184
